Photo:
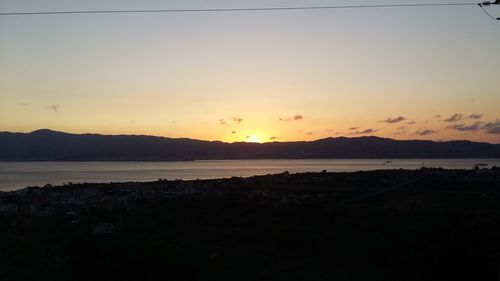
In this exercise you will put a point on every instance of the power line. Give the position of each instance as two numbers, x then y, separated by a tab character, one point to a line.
299	8
482	5
237	9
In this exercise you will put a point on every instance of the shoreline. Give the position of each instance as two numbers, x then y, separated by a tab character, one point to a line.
242	159
286	179
18	175
260	227
218	179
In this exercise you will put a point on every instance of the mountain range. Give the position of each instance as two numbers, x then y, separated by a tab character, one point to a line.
48	145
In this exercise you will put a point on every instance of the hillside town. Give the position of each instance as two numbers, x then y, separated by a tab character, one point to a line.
75	200
306	226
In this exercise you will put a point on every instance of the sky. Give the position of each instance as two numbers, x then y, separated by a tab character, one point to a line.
402	73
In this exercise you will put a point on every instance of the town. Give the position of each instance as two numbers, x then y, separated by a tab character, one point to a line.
283	226
284	188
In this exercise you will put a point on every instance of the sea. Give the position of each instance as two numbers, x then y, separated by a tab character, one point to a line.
17	175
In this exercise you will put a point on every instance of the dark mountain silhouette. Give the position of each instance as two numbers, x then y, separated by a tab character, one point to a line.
47	145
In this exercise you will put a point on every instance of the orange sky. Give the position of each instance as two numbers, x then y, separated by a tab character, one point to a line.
239	77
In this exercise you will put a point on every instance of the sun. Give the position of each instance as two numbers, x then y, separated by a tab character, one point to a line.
254	138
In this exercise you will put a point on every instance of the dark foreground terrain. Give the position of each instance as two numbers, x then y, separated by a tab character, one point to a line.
429	224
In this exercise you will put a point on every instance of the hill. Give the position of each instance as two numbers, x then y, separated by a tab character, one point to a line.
48	145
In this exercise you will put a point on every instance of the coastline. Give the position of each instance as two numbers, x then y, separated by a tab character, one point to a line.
272	227
17	175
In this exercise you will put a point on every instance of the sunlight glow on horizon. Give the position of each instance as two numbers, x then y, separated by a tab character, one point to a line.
254	139
287	76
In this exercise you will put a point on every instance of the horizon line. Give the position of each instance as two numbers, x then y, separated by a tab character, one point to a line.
263	142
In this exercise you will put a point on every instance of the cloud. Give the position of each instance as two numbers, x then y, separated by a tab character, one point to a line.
222	122
494	130
411	123
454	118
393	120
492	127
402	128
297	117
310	133
367	131
425	132
464	128
475	116
53	107
438	116
237	120
353	128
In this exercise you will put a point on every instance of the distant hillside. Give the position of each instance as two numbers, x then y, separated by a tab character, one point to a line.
47	145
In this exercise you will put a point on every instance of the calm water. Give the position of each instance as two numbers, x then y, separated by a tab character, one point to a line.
15	175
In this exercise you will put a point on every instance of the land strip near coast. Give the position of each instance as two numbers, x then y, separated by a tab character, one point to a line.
438	224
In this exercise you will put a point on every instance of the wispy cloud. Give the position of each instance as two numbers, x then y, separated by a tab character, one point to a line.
438	116
364	132
492	127
297	117
53	107
222	122
425	132
475	116
489	128
393	120
454	118
464	128
411	123
353	128
237	120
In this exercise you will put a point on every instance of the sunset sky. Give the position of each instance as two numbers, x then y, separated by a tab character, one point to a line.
403	73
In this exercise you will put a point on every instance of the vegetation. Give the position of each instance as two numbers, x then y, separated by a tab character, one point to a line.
439	227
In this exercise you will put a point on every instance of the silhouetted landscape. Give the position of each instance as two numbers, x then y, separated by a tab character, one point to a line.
47	145
283	140
427	224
